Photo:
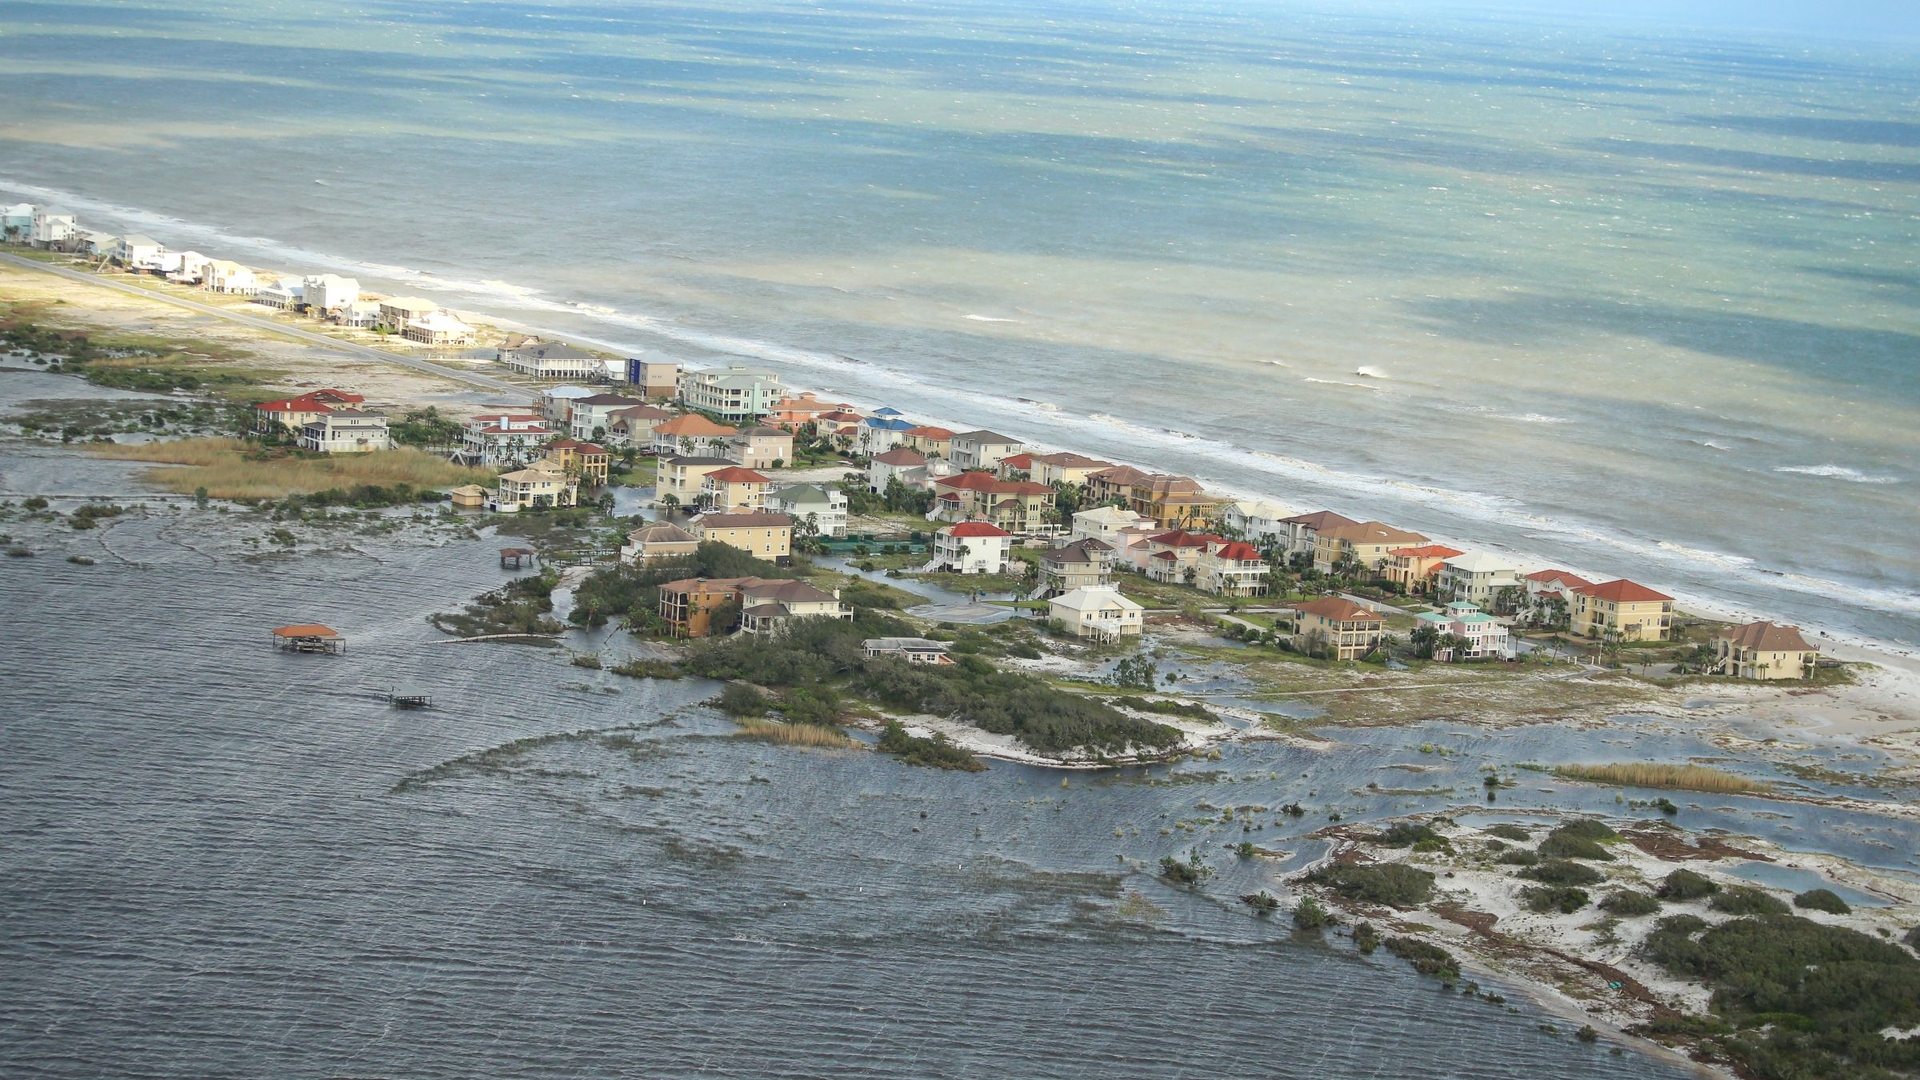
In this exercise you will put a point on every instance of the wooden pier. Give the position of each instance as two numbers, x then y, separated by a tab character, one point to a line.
309	638
512	558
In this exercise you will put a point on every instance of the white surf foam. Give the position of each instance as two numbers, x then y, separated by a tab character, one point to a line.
1836	472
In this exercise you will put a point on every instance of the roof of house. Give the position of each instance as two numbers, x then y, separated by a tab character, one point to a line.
928	432
689	462
139	240
661	532
294	404
1319	520
888	423
1767	637
969	481
901	455
1018	461
985	436
550	350
885	410
1179	538
467	489
842	416
975	528
734	474
1239	551
1094	596
1108	515
640	412
305	630
1338	609
576	446
804	494
744	521
1621	591
1073	461
1479	562
787	592
766	433
1080	551
1561	577
609	399
1120	476
534	472
692	424
903	644
1426	551
1371	532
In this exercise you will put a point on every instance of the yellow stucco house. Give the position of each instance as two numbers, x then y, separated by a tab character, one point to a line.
1637	612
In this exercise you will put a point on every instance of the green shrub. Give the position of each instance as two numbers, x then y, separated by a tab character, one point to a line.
1586	829
1366	938
1426	959
1576	840
1748	900
739	699
937	752
1823	900
1411	834
1630	902
1309	914
1391	884
1520	857
1563	899
1263	902
1189	873
1912	938
1509	832
1562	872
1686	885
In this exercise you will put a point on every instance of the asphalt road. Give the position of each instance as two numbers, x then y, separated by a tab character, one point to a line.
515	393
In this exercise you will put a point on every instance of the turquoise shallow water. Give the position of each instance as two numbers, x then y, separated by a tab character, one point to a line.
1635	301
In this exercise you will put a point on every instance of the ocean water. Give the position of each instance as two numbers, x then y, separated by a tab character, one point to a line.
223	860
1635	300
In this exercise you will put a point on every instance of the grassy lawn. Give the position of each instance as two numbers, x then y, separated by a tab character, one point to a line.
228	469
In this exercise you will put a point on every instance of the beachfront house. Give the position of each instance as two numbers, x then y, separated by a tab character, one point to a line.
16	223
359	315
229	277
590	462
137	252
541	485
1064	468
1336	628
1631	610
733	393
678	478
1301	532
1481	578
1080	562
1360	549
181	267
501	440
929	440
397	311
692	607
51	227
878	434
1098	612
822	506
972	547
981	449
1104	523
588	417
691	433
762	535
1547	598
1171	502
345	431
634	426
1412	569
732	487
658	540
653	375
913	650
438	328
1763	650
549	360
325	294
799	410
1463	632
1235	568
761	447
284	294
1255	521
557	403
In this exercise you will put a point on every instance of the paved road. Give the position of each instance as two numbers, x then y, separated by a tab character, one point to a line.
499	386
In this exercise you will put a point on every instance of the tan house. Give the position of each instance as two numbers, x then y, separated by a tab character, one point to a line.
539	486
1083	562
591	463
724	489
931	441
1345	629
468	496
683	477
768	605
1053	469
1636	612
1232	569
1763	650
1367	545
1414	568
634	426
765	536
690	434
1174	557
981	449
1018	506
658	540
1299	533
1098	612
398	312
688	605
1172	502
761	447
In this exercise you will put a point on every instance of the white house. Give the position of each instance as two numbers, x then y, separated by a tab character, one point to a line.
325	294
1105	523
183	267
51	227
972	547
1302	531
731	393
557	403
824	504
229	277
138	252
438	328
982	449
1476	577
878	434
360	315
504	440
1485	639
345	431
1097	611
1256	521
883	468
592	414
551	360
284	294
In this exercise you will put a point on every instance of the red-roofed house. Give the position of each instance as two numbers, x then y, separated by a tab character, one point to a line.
1549	597
1763	650
1019	466
1175	556
1636	612
294	413
585	460
1414	568
972	547
1232	569
1018	506
931	441
1336	629
735	485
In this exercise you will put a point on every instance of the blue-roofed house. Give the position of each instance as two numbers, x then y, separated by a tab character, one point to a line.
879	434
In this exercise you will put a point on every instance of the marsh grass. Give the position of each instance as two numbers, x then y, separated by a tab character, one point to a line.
1673	777
793	734
231	469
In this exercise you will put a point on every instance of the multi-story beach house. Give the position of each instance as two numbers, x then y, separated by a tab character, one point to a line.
137	252
284	294
654	375
51	227
438	328
1302	531
634	426
929	440
1080	562
1235	568
658	540
913	650
557	403
1478	577
1362	548
590	462
1065	468
1172	502
980	449
691	433
972	547
1255	521
1019	506
1763	650
768	605
763	535
688	606
549	360
1414	568
287	416
503	440
824	506
229	277
325	294
345	431
1104	523
681	476
588	417
397	311
540	485
734	487
1464	632
1631	610
1336	628
800	410
898	462
732	393
761	447
1174	557
878	434
1098	612
16	223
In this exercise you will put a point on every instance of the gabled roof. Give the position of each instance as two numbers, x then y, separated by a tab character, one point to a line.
576	446
786	592
937	434
1017	461
765	433
1088	550
297	404
901	455
1319	520
969	481
609	399
1338	609
550	350
744	521
1093	598
1179	538
1120	476
974	528
1426	551
1372	532
1560	577
1239	551
985	436
736	475
691	424
1073	461
1766	637
1621	591
842	416
688	462
1478	562
661	532
640	412
888	423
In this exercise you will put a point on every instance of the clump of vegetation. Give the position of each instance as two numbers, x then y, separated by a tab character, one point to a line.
1509	832
1262	902
129	361
1563	872
938	752
739	699
1309	914
1686	885
1426	959
522	606
1544	898
639	668
86	517
818	735
1520	857
1675	777
1630	902
1414	835
1748	900
1587	1033
1366	938
1392	884
1189	873
1797	998
1823	900
1194	710
586	660
1579	840
632	590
